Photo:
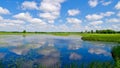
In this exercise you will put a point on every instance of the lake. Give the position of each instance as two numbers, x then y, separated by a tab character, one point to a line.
33	51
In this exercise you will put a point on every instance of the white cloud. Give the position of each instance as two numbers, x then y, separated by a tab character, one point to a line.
116	27
37	20
50	9
94	23
118	14
106	3
10	21
11	24
4	11
93	27
93	3
74	20
23	16
28	18
1	18
29	5
73	12
109	13
94	17
11	27
117	6
62	27
113	20
48	16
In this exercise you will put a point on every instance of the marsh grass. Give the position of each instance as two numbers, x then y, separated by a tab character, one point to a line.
116	56
116	52
91	65
102	37
72	65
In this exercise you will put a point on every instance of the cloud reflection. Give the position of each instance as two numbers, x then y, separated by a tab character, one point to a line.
51	57
75	45
99	51
75	56
2	55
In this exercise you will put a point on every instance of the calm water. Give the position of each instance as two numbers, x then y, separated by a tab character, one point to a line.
50	51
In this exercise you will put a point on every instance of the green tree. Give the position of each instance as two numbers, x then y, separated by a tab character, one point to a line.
24	31
91	31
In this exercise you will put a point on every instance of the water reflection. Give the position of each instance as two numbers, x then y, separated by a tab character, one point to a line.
75	45
48	51
75	56
2	55
99	51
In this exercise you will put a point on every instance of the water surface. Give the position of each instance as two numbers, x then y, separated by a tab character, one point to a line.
33	51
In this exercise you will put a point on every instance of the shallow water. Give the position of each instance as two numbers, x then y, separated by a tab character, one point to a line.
33	51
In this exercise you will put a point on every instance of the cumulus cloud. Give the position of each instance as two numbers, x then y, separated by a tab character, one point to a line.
23	16
51	10
29	5
118	14
1	18
93	3
48	16
74	20
37	20
106	3
94	23
117	6
4	11
116	27
109	13
73	12
28	18
11	24
113	20
10	21
94	17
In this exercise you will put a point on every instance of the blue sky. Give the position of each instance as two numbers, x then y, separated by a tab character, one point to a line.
59	15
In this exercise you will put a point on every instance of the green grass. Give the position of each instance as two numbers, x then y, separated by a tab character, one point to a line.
116	52
116	55
102	37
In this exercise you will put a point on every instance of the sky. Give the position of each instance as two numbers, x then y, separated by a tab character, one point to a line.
59	15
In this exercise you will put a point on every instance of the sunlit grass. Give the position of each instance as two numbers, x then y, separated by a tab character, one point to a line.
102	37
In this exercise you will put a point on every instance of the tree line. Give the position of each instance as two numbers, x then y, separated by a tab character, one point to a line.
108	31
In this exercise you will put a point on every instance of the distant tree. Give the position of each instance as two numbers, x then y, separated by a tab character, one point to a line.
108	31
118	31
86	31
24	31
91	31
97	31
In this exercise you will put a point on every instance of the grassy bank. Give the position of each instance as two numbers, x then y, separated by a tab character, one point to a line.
102	37
116	55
